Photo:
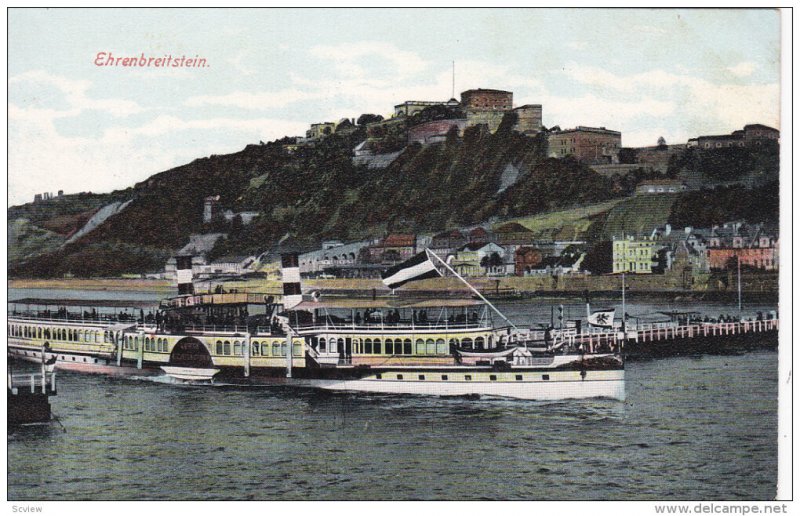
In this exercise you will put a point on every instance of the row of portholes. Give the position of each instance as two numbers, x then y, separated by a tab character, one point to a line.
61	334
154	345
400	346
262	349
63	358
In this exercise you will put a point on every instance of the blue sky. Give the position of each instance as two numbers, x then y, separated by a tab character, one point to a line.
79	127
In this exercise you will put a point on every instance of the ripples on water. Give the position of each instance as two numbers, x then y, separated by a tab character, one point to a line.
692	428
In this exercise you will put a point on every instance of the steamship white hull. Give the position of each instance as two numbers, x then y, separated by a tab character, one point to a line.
559	385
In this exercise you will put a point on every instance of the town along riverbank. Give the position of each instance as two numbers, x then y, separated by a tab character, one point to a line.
755	287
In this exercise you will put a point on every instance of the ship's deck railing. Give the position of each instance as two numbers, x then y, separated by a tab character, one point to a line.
101	319
35	383
404	326
215	328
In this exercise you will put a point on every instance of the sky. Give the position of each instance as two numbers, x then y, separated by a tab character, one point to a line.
76	126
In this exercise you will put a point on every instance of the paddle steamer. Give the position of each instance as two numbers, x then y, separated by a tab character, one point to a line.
385	344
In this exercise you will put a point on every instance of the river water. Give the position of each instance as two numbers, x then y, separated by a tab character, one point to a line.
700	427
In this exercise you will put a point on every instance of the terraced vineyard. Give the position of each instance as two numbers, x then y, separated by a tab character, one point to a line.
638	215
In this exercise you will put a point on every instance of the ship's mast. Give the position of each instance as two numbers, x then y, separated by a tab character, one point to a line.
471	288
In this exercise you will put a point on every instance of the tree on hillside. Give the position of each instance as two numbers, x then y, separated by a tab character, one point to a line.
507	124
599	258
368	118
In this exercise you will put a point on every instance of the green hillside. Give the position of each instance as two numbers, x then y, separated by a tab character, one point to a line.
576	220
316	192
638	215
26	240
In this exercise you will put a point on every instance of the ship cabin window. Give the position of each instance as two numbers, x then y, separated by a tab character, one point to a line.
493	377
399	376
420	347
376	346
389	347
444	377
323	345
341	344
226	348
519	377
297	349
407	347
255	350
441	347
430	347
237	348
368	346
378	376
265	349
283	349
398	347
333	346
39	333
276	348
466	343
422	377
545	377
468	377
479	342
219	347
453	343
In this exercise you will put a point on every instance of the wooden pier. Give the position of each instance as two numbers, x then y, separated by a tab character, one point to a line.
667	339
29	397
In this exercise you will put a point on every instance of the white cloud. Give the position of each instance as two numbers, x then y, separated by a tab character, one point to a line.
167	124
347	56
253	101
743	69
75	94
697	105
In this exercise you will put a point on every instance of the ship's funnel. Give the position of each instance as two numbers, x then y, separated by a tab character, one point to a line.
290	271
183	271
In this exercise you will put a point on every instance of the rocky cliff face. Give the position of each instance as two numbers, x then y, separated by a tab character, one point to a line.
312	192
97	219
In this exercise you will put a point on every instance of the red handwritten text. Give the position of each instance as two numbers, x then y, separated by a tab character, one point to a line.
143	61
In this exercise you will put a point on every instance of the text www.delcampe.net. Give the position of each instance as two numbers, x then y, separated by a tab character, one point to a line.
721	508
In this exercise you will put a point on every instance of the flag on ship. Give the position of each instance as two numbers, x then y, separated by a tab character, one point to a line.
602	318
417	267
